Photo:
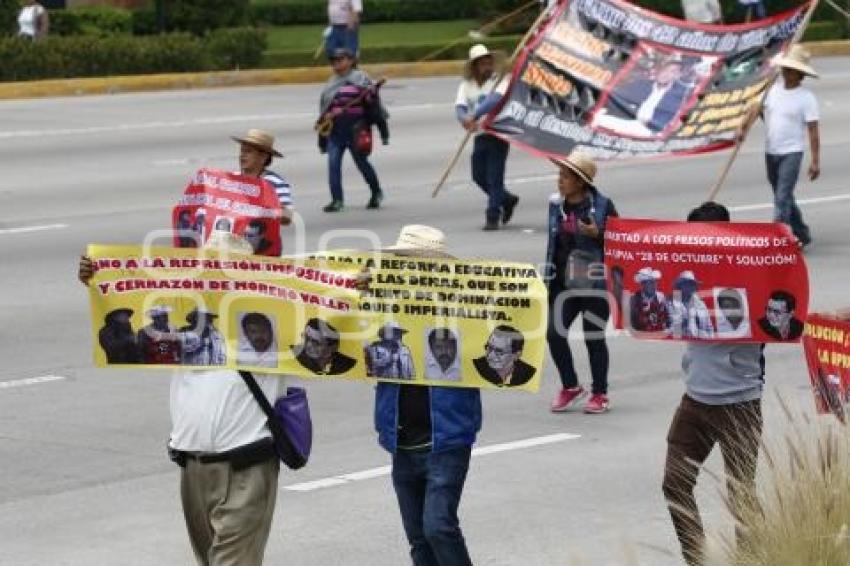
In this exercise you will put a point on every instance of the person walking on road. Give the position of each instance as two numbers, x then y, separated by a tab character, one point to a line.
33	21
790	111
478	94
576	279
344	31
350	105
721	405
430	432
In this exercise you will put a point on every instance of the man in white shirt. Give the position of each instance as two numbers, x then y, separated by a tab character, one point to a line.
441	358
702	11
257	344
790	111
477	95
344	26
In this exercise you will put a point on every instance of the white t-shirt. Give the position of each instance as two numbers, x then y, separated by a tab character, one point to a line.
702	11
28	19
339	11
471	94
214	411
786	115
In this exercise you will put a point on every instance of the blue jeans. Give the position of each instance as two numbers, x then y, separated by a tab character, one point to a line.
342	36
336	151
428	486
783	172
755	11
489	155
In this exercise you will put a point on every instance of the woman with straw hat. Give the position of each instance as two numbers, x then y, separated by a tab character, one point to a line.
576	279
790	111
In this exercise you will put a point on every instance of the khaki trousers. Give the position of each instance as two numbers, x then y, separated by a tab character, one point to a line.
229	512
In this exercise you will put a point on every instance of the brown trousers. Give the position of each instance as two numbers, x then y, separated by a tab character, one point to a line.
229	512
695	429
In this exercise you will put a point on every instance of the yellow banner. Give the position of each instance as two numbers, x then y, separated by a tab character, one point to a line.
421	321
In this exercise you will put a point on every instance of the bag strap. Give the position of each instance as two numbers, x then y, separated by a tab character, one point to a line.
258	394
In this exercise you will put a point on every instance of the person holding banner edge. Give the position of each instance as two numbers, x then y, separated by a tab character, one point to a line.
576	279
478	94
721	405
430	432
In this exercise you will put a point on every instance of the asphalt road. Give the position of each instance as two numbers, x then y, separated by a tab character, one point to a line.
83	475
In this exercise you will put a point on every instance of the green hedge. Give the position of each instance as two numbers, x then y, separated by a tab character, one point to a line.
89	56
9	16
91	20
388	54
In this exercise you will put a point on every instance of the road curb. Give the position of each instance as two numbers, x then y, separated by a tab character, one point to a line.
258	77
184	81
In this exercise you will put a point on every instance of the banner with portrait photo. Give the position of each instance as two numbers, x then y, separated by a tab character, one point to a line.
424	322
228	202
729	281
615	80
826	343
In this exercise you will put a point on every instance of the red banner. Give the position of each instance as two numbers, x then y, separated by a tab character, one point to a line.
713	281
826	343
220	201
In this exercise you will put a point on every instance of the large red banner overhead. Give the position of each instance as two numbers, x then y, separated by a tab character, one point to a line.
710	281
229	202
616	80
826	343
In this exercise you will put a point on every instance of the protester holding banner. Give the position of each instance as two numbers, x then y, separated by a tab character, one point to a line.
702	11
576	279
721	405
430	432
789	111
478	94
256	151
351	102
219	436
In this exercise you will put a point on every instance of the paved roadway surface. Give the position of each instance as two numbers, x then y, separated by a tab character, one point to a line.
83	475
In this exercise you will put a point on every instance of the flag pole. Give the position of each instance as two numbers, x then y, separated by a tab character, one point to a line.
453	161
751	117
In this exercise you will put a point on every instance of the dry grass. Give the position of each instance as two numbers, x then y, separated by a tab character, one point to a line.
803	516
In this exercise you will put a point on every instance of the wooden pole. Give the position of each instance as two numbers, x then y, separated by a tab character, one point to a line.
724	173
453	161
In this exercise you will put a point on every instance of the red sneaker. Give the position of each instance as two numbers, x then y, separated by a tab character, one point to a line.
598	403
567	397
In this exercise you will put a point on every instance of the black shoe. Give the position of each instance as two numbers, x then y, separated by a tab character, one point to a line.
491	225
508	208
375	201
334	206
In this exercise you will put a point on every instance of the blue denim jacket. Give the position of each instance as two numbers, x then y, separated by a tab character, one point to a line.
598	208
455	416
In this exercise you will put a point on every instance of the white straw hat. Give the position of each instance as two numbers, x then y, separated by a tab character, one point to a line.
797	58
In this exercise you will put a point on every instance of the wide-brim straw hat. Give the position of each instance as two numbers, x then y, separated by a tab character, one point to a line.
259	139
478	51
797	58
580	164
686	275
420	240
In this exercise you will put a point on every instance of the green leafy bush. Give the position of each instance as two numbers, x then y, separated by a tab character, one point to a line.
91	20
9	16
201	16
91	56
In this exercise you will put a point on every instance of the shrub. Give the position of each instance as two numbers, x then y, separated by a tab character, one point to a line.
236	48
9	16
91	20
201	16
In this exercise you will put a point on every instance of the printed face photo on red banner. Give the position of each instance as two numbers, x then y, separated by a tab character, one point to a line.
218	201
711	281
826	343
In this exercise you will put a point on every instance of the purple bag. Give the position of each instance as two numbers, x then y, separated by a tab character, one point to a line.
289	422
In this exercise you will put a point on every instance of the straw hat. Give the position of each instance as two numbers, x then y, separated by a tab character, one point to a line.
477	52
390	329
797	58
259	139
416	239
580	164
686	275
647	274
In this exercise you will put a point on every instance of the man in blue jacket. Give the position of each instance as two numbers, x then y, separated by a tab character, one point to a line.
430	432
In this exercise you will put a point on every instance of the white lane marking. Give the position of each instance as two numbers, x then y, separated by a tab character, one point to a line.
207	121
30	381
25	229
769	205
385	470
